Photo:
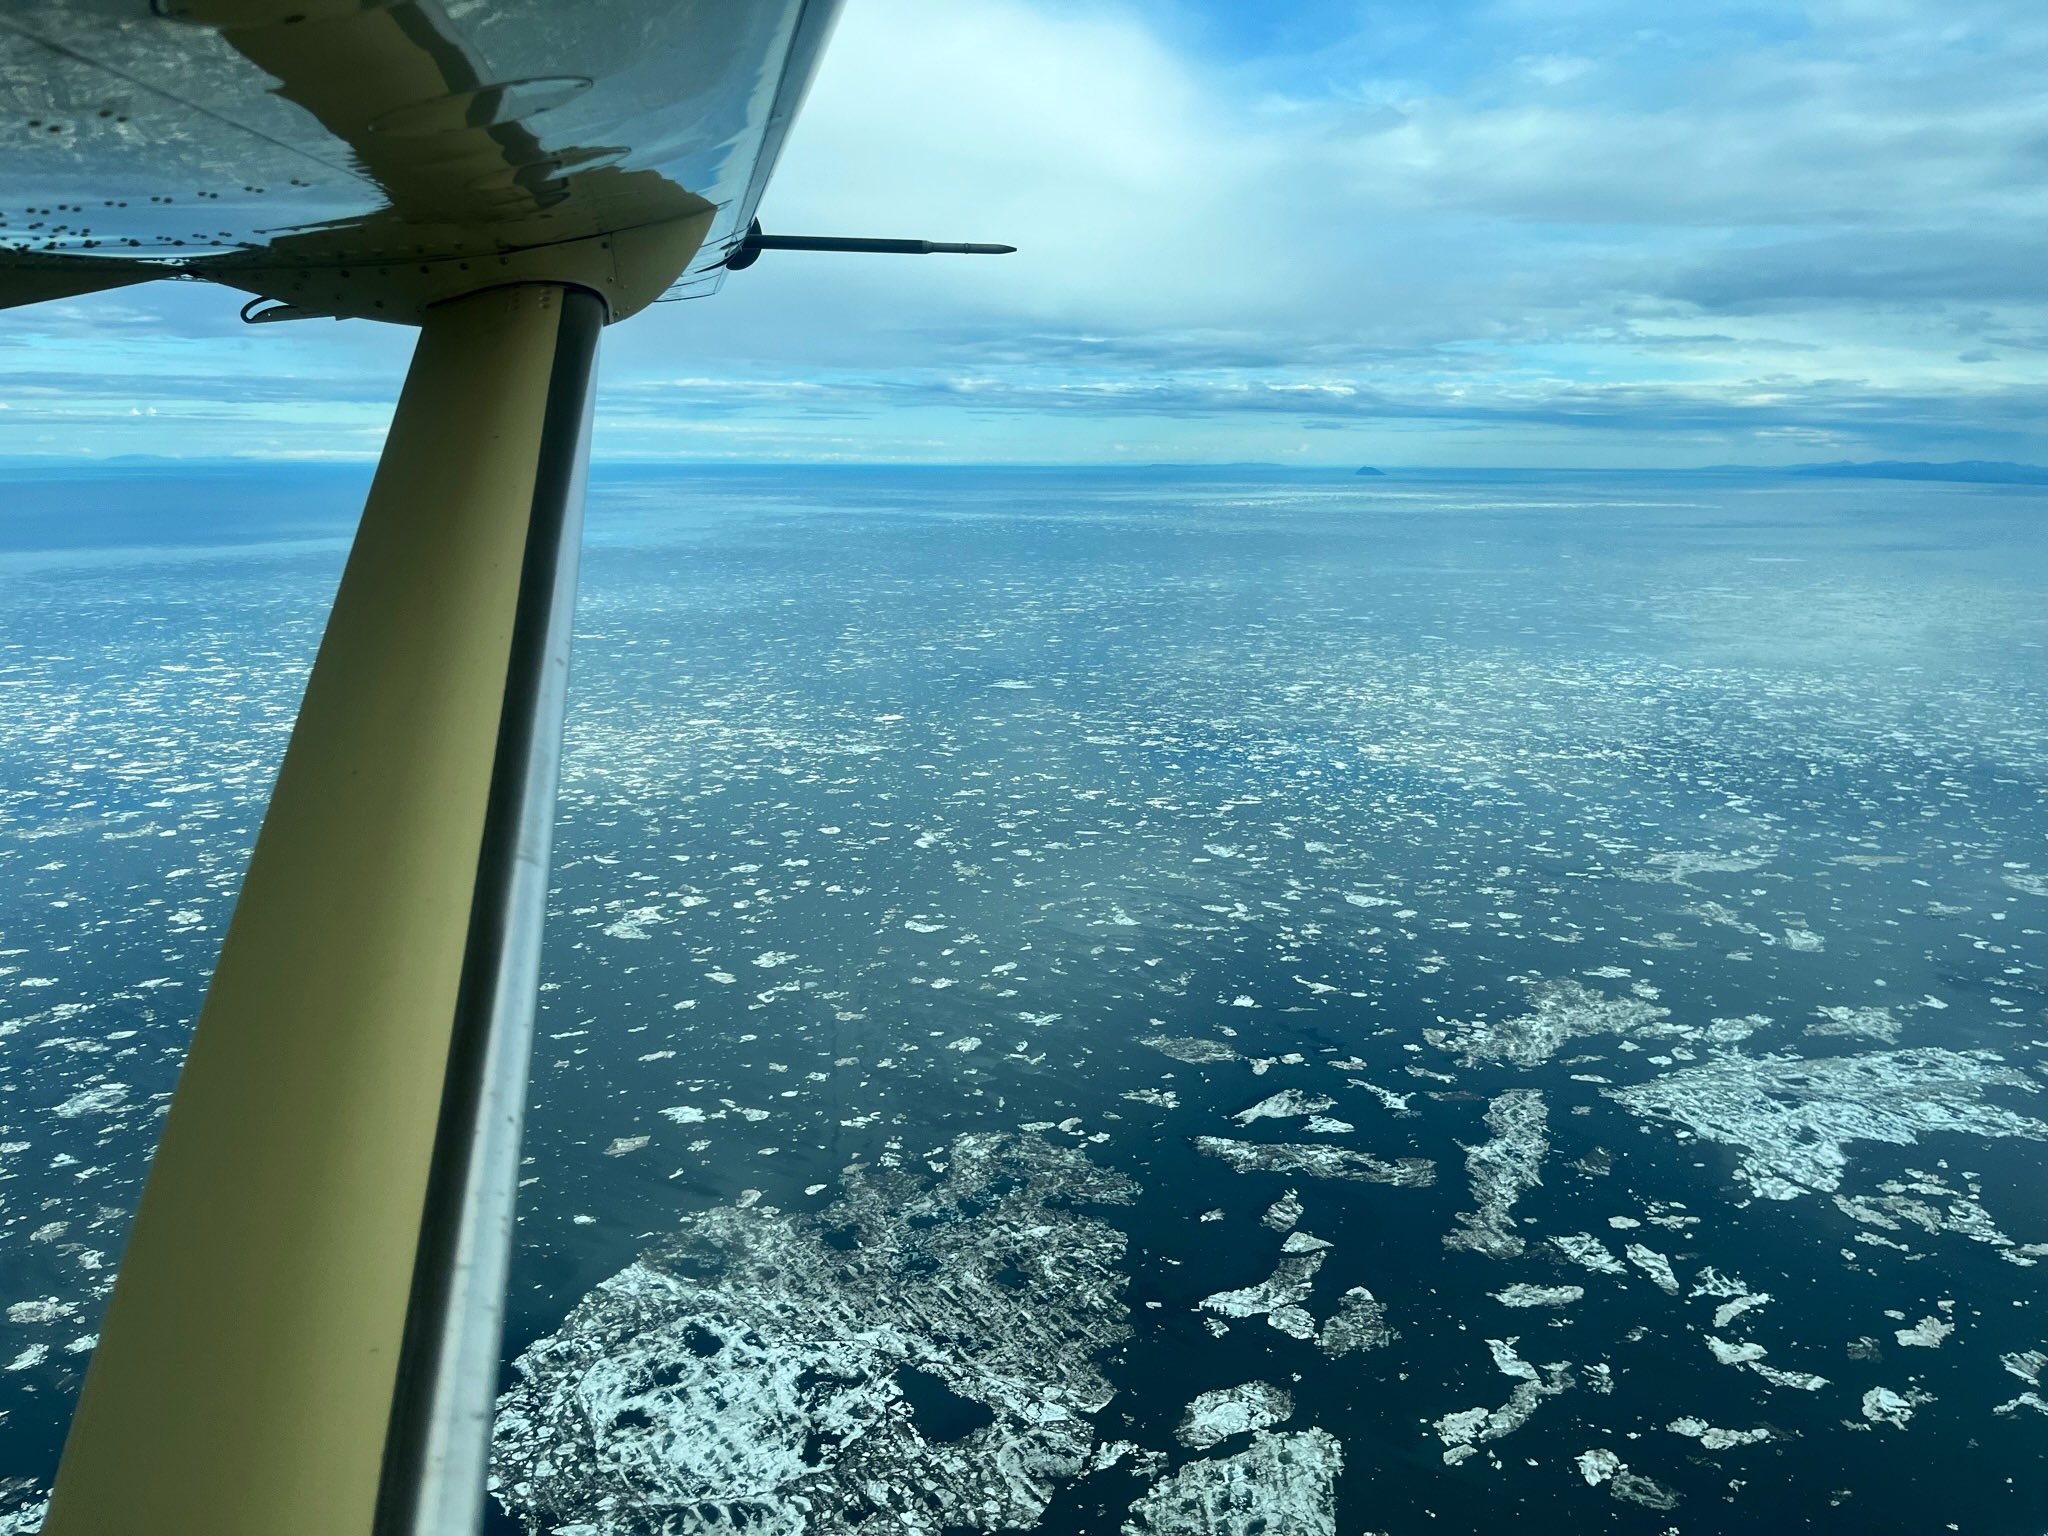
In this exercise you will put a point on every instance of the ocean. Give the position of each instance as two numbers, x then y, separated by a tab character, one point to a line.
1168	1001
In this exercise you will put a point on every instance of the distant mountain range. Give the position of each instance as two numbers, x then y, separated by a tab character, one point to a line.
1974	471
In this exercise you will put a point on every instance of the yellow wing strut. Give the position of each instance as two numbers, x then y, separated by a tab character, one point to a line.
320	1249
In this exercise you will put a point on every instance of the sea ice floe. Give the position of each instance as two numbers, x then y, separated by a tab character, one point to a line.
100	1099
1913	1200
1502	1170
44	1309
1288	1104
1881	1405
1191	1049
1360	1322
1277	1298
1713	1439
2028	1365
621	1145
1522	1294
1750	1355
1322	1162
922	1353
1583	1248
1561	1011
1283	1213
1791	1118
1655	1265
1870	1023
1280	1483
1465	1431
1598	1467
1925	1334
1214	1417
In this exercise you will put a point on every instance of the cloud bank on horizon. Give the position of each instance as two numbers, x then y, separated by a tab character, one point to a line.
1517	232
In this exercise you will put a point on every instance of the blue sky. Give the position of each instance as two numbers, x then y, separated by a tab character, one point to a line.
1530	232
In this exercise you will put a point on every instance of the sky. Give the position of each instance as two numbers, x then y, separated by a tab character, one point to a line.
1542	233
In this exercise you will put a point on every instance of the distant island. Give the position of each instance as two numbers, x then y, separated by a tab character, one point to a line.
1367	469
1973	471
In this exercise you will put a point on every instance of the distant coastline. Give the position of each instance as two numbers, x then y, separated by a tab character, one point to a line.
1966	471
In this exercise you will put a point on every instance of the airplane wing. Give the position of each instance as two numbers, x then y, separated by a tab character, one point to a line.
305	1331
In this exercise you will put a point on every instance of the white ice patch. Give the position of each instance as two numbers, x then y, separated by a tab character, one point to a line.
1360	1323
1288	1104
100	1099
1191	1049
2028	1365
1598	1467
1277	1298
1321	1162
1562	1011
1655	1265
1583	1248
1465	1431
1522	1294
1281	1483
1712	1439
1881	1405
1502	1170
918	1355
1214	1417
1925	1334
1750	1355
1791	1118
1870	1023
1283	1213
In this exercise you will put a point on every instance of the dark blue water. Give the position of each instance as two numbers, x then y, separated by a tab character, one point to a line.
902	805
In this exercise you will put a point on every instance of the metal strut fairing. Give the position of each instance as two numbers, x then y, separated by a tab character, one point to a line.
305	1333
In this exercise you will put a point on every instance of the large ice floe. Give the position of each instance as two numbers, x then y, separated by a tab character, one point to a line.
1280	1483
923	1355
1215	1416
1465	1431
1503	1169
1317	1161
1792	1118
1560	1012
